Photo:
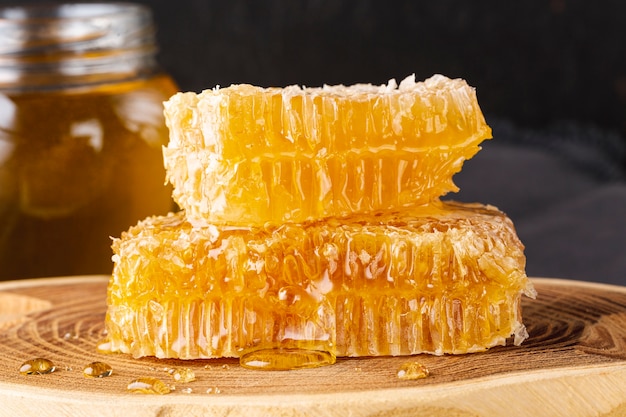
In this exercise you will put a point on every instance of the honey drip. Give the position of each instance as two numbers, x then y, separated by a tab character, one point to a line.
37	366
284	359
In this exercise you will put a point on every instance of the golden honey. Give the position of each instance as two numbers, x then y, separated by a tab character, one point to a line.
81	133
82	166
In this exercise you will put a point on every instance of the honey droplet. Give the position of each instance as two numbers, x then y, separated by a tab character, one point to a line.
183	375
98	370
37	366
148	385
413	370
282	359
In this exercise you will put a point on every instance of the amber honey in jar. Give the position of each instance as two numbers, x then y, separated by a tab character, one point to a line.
81	134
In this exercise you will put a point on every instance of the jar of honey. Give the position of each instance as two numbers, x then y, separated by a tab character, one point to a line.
81	134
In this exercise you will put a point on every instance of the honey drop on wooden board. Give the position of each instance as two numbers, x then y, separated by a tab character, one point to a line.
413	370
37	366
148	385
98	370
183	375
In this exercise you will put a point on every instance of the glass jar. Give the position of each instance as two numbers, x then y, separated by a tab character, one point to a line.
81	134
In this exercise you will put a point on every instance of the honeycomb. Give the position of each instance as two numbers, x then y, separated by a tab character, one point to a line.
312	227
439	278
246	155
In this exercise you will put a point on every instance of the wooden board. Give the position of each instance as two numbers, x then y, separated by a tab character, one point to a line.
573	364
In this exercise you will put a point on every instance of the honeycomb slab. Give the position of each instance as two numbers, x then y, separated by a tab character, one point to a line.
442	278
247	156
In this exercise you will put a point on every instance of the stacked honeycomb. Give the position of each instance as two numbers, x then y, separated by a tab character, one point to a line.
312	219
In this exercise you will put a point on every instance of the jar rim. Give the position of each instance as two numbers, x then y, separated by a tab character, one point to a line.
17	13
60	44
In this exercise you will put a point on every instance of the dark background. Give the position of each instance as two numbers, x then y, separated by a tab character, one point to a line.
534	61
550	77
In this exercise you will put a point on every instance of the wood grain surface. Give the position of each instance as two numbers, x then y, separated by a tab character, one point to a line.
573	364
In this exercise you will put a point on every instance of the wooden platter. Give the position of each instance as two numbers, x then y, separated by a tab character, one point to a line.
573	364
